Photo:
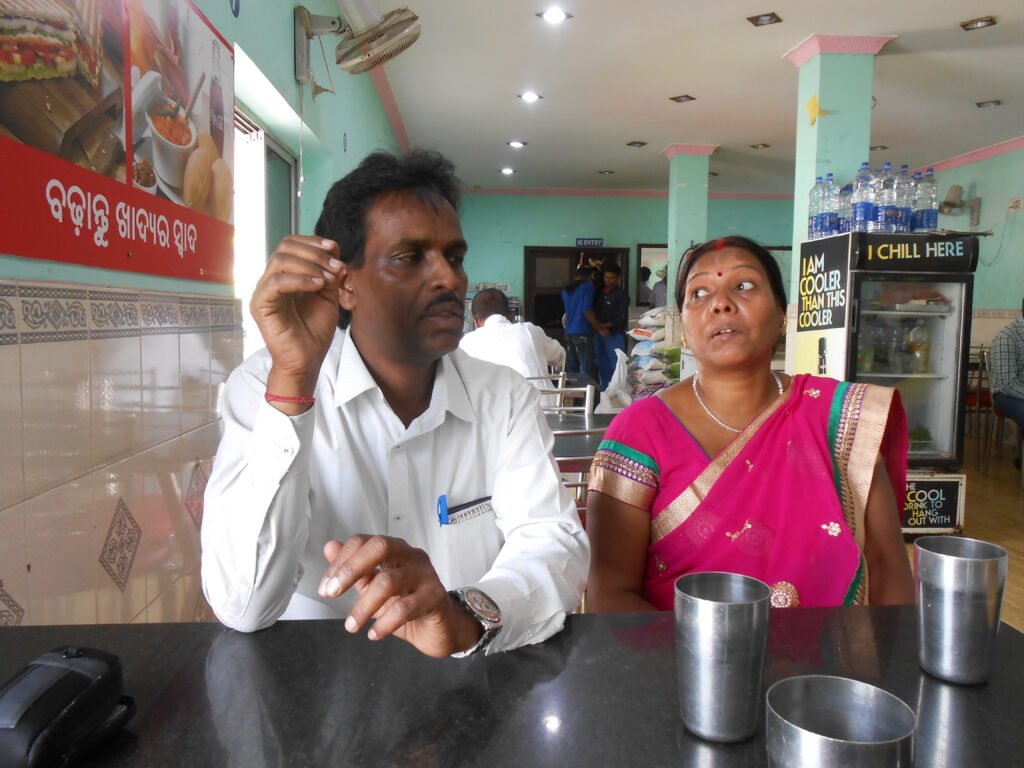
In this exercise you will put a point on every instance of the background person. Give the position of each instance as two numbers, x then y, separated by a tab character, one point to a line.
523	347
580	321
361	422
732	470
1006	373
659	291
612	310
643	291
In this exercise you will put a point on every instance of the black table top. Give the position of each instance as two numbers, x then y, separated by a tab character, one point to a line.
602	692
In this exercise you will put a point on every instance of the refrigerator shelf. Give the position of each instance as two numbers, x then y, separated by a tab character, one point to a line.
943	312
861	374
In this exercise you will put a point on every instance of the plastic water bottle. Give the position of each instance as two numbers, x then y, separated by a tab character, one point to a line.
915	214
845	209
885	200
905	190
829	216
862	202
926	204
814	202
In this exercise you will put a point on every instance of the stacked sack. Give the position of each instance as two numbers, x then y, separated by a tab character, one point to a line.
653	364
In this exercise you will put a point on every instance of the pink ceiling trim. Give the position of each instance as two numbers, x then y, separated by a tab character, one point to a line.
977	155
387	100
688	149
804	51
621	193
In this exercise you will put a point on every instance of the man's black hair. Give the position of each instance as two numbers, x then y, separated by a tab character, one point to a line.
428	175
645	274
615	269
490	301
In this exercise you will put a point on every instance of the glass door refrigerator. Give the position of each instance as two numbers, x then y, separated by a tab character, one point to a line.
895	310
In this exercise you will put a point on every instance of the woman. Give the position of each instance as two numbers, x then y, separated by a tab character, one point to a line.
793	481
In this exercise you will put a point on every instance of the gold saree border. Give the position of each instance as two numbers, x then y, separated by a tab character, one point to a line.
679	510
862	422
611	483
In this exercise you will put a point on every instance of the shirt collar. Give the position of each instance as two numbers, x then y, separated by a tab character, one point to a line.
353	378
495	320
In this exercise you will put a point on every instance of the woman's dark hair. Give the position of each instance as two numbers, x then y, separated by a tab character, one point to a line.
428	175
758	251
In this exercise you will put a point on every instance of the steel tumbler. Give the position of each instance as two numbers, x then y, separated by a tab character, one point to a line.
959	593
819	721
721	643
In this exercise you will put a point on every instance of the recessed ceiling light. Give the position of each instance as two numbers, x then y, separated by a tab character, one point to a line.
637	144
681	99
987	104
877	147
607	173
529	96
517	144
712	173
760	146
507	171
981	23
554	15
764	19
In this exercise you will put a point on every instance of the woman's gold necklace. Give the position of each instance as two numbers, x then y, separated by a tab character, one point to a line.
718	421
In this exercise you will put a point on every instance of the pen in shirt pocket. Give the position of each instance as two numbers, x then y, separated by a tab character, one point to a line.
449	515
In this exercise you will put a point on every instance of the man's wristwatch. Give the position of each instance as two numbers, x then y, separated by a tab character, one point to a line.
486	612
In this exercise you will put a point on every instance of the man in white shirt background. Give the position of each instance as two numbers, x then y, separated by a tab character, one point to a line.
523	347
369	468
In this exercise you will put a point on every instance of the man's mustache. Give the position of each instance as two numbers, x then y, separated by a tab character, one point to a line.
445	298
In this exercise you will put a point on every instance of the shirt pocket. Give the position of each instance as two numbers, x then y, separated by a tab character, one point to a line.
471	541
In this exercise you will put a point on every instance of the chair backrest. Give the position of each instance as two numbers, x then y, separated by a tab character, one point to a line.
568	400
557	379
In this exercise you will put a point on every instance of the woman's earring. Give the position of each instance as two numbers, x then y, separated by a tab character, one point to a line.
682	340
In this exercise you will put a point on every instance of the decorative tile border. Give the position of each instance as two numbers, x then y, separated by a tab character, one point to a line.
121	545
113	311
11	613
52	310
196	492
8	315
8	339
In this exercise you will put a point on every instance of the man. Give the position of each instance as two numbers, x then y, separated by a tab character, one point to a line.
523	347
643	291
659	291
580	321
363	440
612	317
1006	372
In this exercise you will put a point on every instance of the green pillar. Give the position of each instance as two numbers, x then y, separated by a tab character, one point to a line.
687	202
833	124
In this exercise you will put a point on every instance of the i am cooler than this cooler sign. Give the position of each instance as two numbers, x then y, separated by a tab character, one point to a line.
104	169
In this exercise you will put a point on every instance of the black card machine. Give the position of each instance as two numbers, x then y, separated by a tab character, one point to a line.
59	706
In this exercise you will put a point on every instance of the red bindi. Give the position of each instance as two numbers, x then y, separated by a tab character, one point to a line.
719	274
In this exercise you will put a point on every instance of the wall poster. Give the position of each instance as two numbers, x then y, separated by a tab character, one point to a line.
116	136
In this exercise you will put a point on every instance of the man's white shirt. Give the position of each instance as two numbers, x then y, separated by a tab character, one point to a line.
523	347
283	486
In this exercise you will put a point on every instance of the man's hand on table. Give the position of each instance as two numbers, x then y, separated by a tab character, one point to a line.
400	590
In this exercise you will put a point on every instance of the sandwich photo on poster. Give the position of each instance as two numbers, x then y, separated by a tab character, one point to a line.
61	80
181	86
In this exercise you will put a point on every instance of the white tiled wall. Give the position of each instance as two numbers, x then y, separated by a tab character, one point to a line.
108	426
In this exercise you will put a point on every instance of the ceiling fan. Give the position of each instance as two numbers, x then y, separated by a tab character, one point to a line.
368	39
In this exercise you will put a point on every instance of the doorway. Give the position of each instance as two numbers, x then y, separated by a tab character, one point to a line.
549	269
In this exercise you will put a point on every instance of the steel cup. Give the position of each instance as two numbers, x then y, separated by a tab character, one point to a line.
818	721
721	643
959	593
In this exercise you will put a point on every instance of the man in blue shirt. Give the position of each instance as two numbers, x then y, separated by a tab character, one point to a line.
1006	372
578	298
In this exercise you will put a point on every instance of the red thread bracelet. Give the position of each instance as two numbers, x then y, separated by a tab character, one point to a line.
300	400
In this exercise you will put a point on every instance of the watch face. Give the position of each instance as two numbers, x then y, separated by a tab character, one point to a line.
483	605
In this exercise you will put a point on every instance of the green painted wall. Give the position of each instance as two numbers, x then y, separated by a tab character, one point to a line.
999	281
498	227
341	128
